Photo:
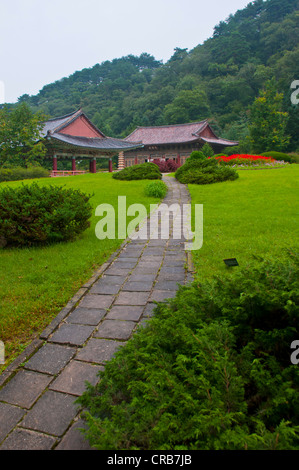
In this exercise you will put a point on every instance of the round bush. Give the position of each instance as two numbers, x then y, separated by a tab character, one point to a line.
144	171
197	170
279	156
32	215
156	189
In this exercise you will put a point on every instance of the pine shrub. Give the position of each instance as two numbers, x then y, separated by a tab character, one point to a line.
33	214
144	171
156	189
201	170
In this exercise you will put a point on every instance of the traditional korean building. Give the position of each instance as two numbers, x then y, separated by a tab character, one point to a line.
74	137
174	142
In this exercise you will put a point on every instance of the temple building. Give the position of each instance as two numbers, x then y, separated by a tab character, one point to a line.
74	137
174	142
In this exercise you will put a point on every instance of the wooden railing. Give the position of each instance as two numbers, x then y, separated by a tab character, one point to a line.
66	173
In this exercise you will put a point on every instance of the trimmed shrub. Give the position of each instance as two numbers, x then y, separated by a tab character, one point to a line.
144	171
280	156
156	189
201	170
18	173
211	370
166	166
207	150
33	214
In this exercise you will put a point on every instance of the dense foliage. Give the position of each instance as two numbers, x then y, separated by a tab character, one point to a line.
144	171
33	214
218	79
156	189
166	166
19	173
211	370
201	170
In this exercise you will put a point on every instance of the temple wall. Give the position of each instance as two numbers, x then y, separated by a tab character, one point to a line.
80	128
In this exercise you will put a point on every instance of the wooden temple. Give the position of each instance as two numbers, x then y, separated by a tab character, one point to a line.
74	137
174	142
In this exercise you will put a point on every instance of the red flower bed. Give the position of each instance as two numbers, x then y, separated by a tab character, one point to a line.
246	158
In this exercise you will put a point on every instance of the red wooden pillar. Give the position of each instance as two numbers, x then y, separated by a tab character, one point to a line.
136	161
110	165
73	164
54	163
178	160
93	165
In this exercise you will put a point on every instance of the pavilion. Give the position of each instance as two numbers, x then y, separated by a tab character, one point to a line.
74	136
174	142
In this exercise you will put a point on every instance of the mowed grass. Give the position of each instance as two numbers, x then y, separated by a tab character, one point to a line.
36	283
256	215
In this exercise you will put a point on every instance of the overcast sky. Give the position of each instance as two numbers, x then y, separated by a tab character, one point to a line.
44	40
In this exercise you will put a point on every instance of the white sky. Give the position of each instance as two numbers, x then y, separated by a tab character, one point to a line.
44	40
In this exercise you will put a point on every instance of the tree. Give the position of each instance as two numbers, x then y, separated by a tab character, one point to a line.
267	128
19	136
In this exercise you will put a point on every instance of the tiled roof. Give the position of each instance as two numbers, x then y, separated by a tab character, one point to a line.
59	123
105	144
178	133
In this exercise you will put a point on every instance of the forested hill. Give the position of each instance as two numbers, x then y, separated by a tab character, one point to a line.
218	79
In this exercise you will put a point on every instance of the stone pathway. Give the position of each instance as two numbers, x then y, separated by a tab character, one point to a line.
37	391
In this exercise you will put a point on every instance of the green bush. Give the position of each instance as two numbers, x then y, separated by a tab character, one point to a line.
198	170
156	189
210	371
31	214
18	173
207	150
280	156
144	171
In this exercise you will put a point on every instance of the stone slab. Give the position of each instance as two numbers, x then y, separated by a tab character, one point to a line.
9	417
24	388
115	329
137	286
74	438
86	316
72	379
23	439
161	295
132	298
52	413
50	359
125	312
96	301
72	334
98	351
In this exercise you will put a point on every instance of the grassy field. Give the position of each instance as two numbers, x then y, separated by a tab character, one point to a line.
256	215
36	283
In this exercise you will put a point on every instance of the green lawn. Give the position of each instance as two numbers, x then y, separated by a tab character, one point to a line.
256	215
36	283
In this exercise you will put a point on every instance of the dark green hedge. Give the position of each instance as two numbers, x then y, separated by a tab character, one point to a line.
201	170
144	171
33	214
18	173
210	371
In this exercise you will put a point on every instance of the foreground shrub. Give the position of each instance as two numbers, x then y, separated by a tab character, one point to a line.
201	170
31	214
144	171
18	173
211	370
156	189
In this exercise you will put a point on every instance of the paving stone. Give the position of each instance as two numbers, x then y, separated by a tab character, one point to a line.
166	285
50	358
98	351
132	298
152	263
137	286
174	262
105	288
72	379
22	439
172	269
74	438
112	279
96	301
51	414
115	329
117	271
72	334
9	417
140	270
161	295
124	263
166	276
24	388
149	309
142	277
125	312
86	316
